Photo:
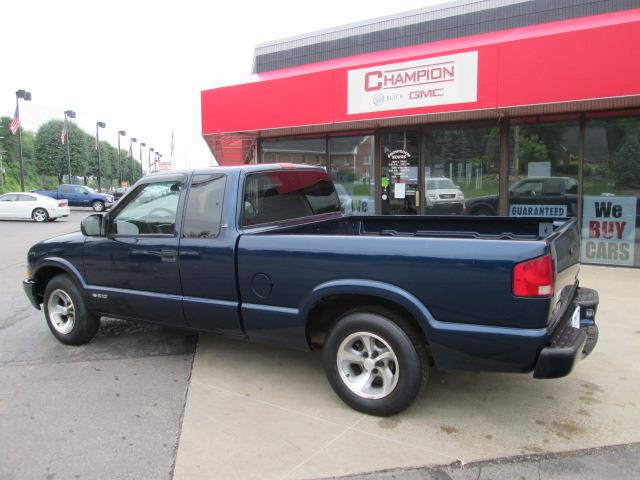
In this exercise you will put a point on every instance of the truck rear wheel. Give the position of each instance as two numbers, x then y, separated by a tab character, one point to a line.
97	206
375	361
66	314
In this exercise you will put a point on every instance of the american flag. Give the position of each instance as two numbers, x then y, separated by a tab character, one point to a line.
63	134
15	122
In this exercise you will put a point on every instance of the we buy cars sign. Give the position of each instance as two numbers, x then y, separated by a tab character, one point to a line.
608	230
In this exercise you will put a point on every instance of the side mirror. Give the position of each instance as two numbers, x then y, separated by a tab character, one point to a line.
93	225
86	193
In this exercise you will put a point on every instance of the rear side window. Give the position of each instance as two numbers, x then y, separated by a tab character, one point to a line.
281	195
203	214
26	198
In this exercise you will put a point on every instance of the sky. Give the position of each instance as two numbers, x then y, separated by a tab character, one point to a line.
140	66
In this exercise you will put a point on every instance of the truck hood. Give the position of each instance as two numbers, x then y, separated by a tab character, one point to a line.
58	246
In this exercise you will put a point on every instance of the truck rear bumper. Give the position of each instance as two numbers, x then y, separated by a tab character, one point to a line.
568	343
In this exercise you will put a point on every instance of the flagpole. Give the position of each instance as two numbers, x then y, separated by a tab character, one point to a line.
20	142
66	133
70	114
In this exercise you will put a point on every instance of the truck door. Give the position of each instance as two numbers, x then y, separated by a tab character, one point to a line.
207	256
132	272
68	192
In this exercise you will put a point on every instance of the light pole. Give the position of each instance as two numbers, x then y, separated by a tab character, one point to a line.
68	114
121	133
99	125
133	140
26	96
142	144
158	157
149	158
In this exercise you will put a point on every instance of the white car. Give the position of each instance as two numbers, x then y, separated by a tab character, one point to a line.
38	207
444	196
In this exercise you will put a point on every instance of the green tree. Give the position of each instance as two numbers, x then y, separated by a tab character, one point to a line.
51	154
9	148
626	163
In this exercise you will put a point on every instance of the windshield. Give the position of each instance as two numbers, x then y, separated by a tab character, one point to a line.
440	184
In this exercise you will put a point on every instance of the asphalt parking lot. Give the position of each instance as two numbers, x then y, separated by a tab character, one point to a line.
107	410
137	403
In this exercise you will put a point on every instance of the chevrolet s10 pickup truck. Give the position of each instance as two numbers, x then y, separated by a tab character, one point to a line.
264	253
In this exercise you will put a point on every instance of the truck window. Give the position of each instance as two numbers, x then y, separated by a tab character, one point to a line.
151	210
281	195
204	206
66	189
553	186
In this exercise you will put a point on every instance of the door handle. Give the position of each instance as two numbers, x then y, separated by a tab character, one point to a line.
169	255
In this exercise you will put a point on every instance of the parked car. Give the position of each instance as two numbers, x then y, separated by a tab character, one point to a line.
80	196
38	207
443	196
384	297
535	191
118	193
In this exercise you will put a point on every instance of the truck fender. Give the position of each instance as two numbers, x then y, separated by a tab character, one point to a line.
372	288
62	264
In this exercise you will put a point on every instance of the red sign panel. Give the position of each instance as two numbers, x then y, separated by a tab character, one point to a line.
571	60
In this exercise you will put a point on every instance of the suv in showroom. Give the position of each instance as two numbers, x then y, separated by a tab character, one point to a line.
443	196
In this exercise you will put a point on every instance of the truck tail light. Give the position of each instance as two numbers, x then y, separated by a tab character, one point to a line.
533	278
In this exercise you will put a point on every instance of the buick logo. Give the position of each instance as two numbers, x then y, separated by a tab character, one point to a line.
378	99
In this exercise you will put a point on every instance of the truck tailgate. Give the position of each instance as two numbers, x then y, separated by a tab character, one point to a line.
564	246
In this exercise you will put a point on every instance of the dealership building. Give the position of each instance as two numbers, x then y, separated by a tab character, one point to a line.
495	107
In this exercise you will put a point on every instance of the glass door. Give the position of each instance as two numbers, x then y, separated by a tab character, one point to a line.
399	179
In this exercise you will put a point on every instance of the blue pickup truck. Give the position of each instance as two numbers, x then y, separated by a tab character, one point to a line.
264	253
80	196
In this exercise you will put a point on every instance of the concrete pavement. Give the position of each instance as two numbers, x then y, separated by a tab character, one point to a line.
260	412
113	408
619	462
110	409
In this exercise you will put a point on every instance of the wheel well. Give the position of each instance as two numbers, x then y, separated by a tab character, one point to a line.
44	276
482	206
324	314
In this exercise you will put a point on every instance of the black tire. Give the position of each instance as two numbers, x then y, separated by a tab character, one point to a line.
40	215
98	206
404	341
52	219
84	325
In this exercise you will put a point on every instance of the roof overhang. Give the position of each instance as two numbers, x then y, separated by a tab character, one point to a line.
582	64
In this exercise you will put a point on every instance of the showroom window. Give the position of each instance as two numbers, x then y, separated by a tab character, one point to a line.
462	167
611	189
543	169
352	167
309	151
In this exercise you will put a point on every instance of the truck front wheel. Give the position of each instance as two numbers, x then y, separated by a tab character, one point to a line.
375	361
66	313
97	206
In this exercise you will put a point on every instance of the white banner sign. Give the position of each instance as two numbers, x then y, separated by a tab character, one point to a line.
518	210
419	83
608	230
